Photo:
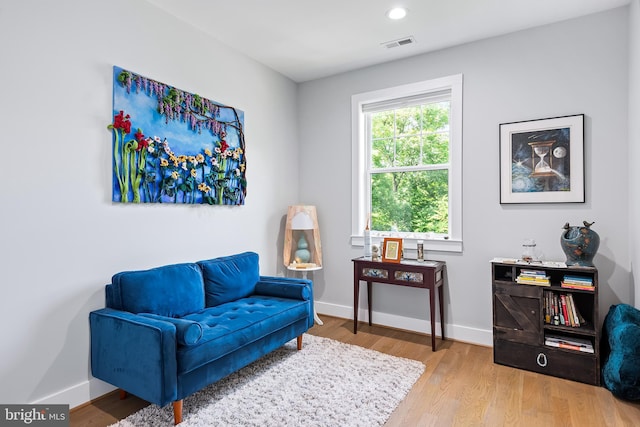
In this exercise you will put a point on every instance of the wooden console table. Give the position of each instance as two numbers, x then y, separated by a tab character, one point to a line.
426	275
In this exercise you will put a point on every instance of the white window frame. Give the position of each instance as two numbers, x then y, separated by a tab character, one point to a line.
361	192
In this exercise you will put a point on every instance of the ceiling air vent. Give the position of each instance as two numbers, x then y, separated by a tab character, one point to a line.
400	42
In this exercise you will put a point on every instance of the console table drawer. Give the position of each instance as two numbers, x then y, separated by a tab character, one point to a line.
375	273
549	361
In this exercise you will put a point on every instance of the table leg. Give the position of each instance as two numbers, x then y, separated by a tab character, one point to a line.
369	289
356	294
432	315
441	303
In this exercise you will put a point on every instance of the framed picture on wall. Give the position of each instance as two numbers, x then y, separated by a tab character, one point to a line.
391	249
542	161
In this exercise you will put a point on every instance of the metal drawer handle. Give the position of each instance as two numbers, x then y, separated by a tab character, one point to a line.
542	360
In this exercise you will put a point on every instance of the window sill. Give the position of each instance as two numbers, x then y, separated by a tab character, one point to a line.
409	245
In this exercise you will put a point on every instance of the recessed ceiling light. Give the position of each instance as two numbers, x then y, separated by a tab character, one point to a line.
397	13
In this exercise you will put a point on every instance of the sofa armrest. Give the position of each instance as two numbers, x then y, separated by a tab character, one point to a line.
285	287
135	353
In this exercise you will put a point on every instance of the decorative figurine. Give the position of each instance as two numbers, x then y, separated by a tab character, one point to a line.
375	253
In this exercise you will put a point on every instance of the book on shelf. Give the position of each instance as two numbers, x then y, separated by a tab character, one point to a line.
578	279
537	282
577	282
533	277
566	309
560	309
533	273
573	311
570	343
553	315
576	286
548	313
582	288
565	314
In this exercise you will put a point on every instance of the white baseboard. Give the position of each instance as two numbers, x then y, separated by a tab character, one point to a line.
455	332
78	394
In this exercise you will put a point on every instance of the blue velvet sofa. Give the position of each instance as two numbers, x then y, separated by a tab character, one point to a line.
169	331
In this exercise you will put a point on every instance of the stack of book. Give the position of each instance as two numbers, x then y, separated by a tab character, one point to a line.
533	277
570	343
577	282
560	309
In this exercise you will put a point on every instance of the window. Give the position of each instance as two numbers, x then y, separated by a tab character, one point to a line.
407	163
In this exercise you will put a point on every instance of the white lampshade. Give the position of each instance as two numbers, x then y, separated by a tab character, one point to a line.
301	221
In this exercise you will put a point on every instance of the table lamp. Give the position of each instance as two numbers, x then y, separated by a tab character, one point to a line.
302	247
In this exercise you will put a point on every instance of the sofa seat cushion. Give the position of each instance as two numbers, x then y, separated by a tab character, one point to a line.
230	326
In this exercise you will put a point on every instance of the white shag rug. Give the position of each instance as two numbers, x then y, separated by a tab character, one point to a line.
327	383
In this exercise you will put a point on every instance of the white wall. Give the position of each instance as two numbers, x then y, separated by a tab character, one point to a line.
61	236
578	66
634	145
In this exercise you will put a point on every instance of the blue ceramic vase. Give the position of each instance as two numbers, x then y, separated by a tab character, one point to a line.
580	244
302	254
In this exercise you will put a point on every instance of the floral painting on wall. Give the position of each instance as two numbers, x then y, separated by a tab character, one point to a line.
172	146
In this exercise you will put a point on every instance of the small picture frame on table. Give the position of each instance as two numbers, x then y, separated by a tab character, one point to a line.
391	249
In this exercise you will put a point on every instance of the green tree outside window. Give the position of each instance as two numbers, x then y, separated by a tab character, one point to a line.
409	168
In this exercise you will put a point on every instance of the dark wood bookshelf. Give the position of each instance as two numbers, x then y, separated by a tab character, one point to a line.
520	331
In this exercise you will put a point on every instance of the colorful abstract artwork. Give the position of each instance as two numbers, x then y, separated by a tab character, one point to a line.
172	146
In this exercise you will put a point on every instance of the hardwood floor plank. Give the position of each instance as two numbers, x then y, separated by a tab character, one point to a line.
461	386
479	394
504	407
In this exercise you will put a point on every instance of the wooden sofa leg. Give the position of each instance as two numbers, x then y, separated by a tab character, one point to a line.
177	412
299	342
123	394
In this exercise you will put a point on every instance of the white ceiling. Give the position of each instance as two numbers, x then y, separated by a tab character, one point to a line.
306	40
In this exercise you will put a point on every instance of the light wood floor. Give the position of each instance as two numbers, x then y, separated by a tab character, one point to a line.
461	386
